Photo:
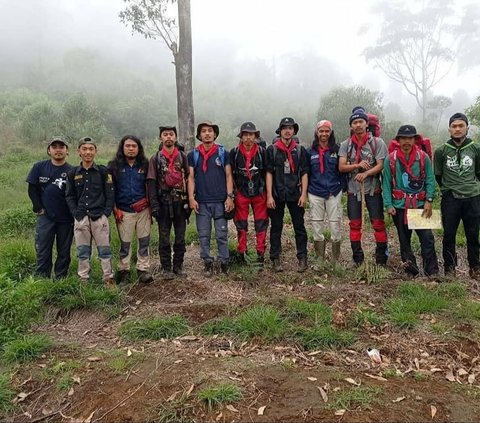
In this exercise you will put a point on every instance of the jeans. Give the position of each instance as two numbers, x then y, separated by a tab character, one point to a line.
46	233
427	244
171	216
208	212
454	210
276	216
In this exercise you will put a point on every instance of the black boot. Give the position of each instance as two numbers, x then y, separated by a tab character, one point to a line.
381	256
358	256
208	269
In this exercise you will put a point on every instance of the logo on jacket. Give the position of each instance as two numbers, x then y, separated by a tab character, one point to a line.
59	182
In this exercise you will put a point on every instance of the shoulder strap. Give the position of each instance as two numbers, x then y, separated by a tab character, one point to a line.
393	161
196	155
221	154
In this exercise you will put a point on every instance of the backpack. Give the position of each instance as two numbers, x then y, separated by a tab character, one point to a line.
373	125
234	168
221	154
392	158
174	180
373	146
423	143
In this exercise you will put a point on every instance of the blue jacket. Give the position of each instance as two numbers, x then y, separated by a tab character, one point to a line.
331	182
130	186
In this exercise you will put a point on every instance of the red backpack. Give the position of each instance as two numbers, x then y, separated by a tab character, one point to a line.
422	143
373	125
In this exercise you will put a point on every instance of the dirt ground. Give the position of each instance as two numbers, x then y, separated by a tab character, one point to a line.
434	380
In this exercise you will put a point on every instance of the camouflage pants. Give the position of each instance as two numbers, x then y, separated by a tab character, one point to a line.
84	232
140	223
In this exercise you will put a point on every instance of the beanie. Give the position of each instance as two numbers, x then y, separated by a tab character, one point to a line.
358	112
457	116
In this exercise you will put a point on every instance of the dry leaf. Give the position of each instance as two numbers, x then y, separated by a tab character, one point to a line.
261	410
71	392
323	394
449	376
219	417
21	397
376	377
336	389
232	408
312	379
129	352
417	363
398	399
89	418
352	381
93	358
76	379
433	411
340	412
190	389
138	302
435	369
177	361
471	378
462	372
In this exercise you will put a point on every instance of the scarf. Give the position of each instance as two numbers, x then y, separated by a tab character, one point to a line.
411	160
288	151
206	155
170	158
358	145
248	155
321	154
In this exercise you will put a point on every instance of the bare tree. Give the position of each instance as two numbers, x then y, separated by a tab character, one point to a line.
154	19
417	48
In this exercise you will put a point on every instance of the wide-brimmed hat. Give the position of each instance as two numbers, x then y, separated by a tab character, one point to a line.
167	128
57	139
207	123
86	140
406	131
287	121
248	127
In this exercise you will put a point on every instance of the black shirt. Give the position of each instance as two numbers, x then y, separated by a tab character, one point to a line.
255	186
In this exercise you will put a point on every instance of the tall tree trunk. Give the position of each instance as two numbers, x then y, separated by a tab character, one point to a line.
183	76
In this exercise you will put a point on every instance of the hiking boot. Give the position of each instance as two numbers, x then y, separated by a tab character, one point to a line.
224	268
123	277
167	275
109	283
208	269
336	250
319	247
302	264
277	265
179	270
240	258
474	273
144	276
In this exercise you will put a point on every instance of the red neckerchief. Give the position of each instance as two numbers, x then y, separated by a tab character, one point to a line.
170	158
248	155
206	155
411	160
288	150
321	154
358	145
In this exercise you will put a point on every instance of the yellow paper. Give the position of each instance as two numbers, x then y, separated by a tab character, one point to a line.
417	221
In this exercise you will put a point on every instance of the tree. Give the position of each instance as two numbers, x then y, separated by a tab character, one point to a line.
438	104
337	106
417	48
473	113
152	19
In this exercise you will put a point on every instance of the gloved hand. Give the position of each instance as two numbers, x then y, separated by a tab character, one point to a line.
118	215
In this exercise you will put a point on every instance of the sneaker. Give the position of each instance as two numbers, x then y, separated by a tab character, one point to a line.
123	277
144	276
302	264
179	271
208	269
110	283
224	268
277	265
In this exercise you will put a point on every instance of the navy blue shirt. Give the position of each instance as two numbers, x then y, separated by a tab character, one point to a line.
331	181
210	187
50	182
130	186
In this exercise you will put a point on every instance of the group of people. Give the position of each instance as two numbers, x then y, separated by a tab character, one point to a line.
217	185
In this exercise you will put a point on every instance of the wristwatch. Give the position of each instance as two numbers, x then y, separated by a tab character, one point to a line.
231	195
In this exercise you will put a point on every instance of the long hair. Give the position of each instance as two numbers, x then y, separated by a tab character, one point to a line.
332	144
119	161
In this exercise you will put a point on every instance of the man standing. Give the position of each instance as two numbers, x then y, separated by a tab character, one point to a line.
361	157
325	185
210	193
166	179
457	171
248	168
46	189
408	183
129	172
90	198
286	183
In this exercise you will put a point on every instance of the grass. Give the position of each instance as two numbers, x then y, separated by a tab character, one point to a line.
27	348
120	362
18	258
7	394
224	393
355	397
175	411
316	313
155	328
323	337
364	316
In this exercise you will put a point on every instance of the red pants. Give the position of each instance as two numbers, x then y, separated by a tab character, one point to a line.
242	208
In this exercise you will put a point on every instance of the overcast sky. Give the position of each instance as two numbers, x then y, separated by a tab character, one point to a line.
221	29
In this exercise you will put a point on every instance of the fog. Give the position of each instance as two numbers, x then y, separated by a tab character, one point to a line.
252	60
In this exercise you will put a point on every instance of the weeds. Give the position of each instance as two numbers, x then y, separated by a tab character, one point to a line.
120	362
371	273
321	337
6	395
225	393
17	221
359	396
317	313
18	259
175	411
155	328
27	348
364	316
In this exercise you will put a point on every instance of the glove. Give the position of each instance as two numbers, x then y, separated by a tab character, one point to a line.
118	215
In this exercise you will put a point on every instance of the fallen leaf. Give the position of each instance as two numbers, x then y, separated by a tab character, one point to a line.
219	417
190	389
261	410
471	378
435	369
71	392
232	408
21	397
433	411
336	389
93	358
76	379
398	399
138	302
129	352
312	379
417	363
352	381
177	361
462	372
323	394
340	412
376	377
449	376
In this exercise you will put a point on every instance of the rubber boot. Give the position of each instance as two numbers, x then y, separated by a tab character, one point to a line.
302	264
336	251
358	256
381	255
319	249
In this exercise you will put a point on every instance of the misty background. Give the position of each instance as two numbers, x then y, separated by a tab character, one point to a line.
70	67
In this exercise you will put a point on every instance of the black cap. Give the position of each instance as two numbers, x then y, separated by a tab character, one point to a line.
167	128
248	127
458	116
287	121
406	131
